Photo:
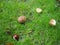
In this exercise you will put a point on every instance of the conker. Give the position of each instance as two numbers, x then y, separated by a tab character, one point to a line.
22	19
52	22
16	37
38	10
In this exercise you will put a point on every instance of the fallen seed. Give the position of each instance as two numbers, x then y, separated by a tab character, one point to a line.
52	22
21	19
38	10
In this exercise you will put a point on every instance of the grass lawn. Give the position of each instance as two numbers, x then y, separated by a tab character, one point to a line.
36	30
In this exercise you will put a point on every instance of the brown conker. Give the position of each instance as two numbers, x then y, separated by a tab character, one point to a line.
22	19
16	37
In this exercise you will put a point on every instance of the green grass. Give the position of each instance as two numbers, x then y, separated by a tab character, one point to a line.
43	33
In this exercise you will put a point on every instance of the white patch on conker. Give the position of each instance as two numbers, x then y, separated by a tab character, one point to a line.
14	37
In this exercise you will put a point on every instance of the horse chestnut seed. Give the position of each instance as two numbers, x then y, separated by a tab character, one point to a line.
52	22
21	19
16	37
38	10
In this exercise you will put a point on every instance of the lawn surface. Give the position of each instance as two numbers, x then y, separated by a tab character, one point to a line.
36	30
